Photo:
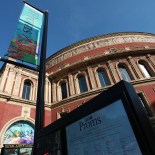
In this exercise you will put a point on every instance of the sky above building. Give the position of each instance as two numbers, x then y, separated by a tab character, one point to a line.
73	20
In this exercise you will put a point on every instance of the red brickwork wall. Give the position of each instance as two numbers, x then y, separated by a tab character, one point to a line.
8	112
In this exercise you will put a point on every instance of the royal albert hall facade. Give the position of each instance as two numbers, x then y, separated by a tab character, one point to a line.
74	75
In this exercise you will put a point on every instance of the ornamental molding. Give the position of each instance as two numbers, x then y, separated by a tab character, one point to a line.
94	44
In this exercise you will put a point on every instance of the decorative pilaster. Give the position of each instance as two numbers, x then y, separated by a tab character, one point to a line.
137	74
53	91
4	78
10	80
151	60
17	84
91	76
71	85
112	72
49	92
46	90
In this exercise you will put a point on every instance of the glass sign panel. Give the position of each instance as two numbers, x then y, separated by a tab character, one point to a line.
104	132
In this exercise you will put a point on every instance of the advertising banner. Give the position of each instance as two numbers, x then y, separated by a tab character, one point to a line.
19	133
25	43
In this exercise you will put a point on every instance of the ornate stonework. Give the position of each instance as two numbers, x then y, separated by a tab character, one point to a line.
102	42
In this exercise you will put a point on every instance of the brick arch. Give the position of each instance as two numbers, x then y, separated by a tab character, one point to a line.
59	95
100	68
32	93
79	74
127	67
147	65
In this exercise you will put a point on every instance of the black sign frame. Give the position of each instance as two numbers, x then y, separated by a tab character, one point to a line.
123	91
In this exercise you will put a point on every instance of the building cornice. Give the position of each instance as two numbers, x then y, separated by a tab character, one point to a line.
11	99
98	38
99	42
91	60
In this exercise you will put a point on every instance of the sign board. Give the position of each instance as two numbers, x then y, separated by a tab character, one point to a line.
112	123
106	131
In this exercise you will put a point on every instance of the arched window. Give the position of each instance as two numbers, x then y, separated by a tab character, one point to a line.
144	69
20	132
26	90
124	73
104	81
63	90
82	84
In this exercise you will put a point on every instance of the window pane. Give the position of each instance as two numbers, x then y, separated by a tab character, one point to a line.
82	84
64	90
103	78
26	91
144	70
124	74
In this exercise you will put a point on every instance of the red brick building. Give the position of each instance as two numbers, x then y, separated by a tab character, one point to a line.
76	74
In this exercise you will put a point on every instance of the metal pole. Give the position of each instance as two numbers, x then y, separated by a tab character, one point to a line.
39	118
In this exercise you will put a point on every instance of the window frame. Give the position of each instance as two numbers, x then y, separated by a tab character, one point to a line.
124	66
25	86
107	77
59	90
66	93
79	88
145	104
146	67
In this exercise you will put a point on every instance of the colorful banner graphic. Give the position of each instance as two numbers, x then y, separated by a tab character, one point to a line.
19	133
25	44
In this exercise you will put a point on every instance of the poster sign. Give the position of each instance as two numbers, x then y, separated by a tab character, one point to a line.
25	43
19	133
104	132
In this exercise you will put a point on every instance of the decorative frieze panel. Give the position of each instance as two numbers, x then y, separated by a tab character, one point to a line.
25	112
98	44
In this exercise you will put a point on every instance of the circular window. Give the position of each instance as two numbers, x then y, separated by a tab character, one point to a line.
19	133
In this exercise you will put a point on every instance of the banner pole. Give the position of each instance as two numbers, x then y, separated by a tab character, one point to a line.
33	6
39	117
18	64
